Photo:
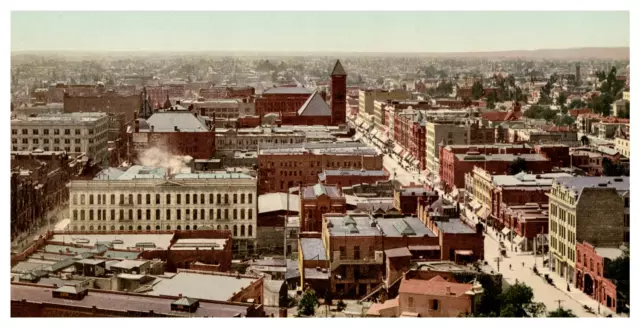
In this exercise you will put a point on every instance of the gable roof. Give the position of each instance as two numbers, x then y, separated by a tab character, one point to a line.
338	69
314	106
436	286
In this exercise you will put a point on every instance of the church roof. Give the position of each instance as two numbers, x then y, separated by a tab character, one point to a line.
314	106
338	69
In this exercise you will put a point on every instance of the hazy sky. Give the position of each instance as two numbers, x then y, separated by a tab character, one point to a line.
317	31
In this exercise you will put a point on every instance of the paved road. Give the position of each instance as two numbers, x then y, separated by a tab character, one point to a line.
543	292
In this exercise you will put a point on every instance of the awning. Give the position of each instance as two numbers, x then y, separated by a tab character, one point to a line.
483	212
517	240
465	252
506	231
474	205
397	149
382	137
424	248
398	252
365	125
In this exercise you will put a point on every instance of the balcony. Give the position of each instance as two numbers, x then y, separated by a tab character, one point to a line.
375	260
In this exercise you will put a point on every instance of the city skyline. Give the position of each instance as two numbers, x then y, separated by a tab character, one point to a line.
419	32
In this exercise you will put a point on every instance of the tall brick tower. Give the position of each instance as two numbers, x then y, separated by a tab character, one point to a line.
338	95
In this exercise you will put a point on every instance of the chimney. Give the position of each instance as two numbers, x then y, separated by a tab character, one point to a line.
180	295
175	128
448	288
152	128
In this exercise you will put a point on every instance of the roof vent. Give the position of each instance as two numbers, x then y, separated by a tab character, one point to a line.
617	179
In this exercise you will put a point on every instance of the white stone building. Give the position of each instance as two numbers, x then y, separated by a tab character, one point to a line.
75	133
144	199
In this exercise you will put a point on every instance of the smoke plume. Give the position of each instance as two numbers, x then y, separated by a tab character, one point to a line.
156	157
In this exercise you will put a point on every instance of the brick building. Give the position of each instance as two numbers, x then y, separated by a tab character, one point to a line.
347	178
338	95
591	160
407	198
591	209
108	102
458	104
281	100
456	161
526	226
176	132
314	111
593	276
283	167
317	200
224	92
38	187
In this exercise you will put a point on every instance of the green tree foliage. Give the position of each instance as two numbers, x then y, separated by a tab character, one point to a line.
564	120
585	141
491	100
380	80
517	301
577	103
562	99
516	166
618	271
265	66
477	90
540	112
624	113
613	169
308	304
561	313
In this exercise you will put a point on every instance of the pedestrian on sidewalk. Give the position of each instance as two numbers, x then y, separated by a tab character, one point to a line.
509	266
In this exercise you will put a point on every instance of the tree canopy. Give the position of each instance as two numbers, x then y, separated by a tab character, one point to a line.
477	90
540	112
516	166
517	301
308	303
561	313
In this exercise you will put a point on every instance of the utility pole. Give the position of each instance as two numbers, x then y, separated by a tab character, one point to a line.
559	303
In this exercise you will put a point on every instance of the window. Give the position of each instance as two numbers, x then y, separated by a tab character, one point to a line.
187	199
195	199
219	214
211	214
201	198
139	214
168	199
90	199
130	217
187	215
201	214
195	214
242	214
235	231
148	214
56	132
235	213
113	215
15	131
210	198
241	198
77	131
226	198
121	199
178	214
250	233
435	305
242	231
235	198
218	198
157	198
356	252
35	141
626	203
178	196
67	131
168	215
148	198
343	251
90	214
121	215
77	141
139	199
410	302
226	214
249	214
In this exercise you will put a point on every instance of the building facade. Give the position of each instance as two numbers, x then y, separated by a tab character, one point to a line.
74	133
143	198
281	100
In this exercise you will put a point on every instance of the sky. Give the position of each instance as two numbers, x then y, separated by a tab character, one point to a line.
317	31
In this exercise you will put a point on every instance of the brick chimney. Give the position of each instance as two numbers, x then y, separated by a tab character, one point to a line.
136	123
282	313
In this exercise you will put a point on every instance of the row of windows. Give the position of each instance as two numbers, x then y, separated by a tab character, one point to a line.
241	232
189	214
101	199
46	131
47	141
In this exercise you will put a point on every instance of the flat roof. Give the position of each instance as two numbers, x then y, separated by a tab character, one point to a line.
313	249
128	240
408	226
277	201
454	226
201	243
128	264
352	226
214	287
138	172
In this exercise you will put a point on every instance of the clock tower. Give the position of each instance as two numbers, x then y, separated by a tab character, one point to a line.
338	95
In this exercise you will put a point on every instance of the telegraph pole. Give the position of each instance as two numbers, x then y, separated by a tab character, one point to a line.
559	303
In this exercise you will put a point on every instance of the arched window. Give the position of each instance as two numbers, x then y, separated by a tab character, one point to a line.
211	214
90	214
148	214
157	227
90	228
139	199
75	228
131	215
218	214
139	214
139	228
250	198
75	215
81	215
121	215
113	215
226	227
90	199
242	230
250	234
201	198
81	199
219	227
218	198
168	227
99	215
235	230
131	228
226	214
113	199
195	227
131	199
187	227
195	214
168	215
148	227
195	198
75	199
99	228
81	228
235	213
210	198
121	228
178	227
168	199
157	199
250	214
104	227
113	228
235	198
187	199
241	198
226	198
121	199
591	264
242	214
202	214
157	214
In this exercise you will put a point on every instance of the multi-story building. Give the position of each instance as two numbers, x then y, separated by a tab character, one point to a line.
367	98
593	275
75	133
317	200
338	95
591	209
251	139
281	100
225	92
174	131
456	161
349	177
591	160
551	135
283	167
224	111
622	141
107	102
143	198
452	131
406	198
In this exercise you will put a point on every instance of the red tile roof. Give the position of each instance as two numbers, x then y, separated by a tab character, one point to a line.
575	112
436	286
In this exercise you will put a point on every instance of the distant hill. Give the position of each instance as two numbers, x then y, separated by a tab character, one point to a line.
614	53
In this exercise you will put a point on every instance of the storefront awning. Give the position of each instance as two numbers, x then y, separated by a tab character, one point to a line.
465	252
474	205
506	231
517	240
483	212
397	149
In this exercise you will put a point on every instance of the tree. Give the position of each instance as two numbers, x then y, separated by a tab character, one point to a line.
561	313
585	140
562	99
516	166
618	271
491	100
477	90
380	80
517	301
308	303
577	103
564	120
612	169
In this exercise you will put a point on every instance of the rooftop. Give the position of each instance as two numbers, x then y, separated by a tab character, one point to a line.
119	241
287	90
277	201
501	157
436	286
66	118
185	122
454	226
620	184
318	189
408	226
137	172
314	106
352	226
524	179
216	287
313	249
